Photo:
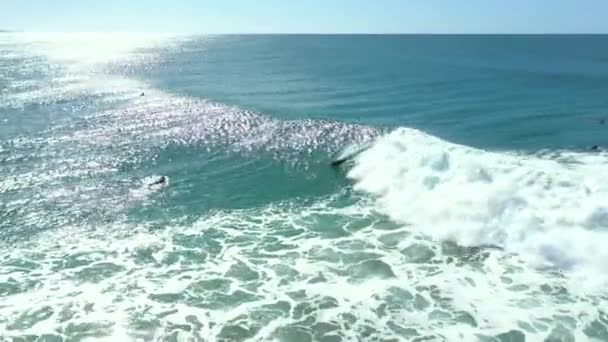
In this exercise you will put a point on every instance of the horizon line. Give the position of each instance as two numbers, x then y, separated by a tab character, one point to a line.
306	33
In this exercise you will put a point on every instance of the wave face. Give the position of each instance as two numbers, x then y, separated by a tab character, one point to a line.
255	237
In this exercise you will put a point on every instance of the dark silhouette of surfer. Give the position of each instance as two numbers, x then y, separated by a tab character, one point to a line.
161	181
600	121
337	162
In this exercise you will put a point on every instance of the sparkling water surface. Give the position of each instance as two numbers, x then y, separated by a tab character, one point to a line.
476	211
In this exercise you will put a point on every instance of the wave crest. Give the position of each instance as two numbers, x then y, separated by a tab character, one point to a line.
550	211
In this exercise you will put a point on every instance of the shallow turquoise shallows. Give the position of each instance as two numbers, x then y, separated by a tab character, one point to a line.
179	188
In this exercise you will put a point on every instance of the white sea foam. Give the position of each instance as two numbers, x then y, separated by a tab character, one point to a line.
224	275
550	211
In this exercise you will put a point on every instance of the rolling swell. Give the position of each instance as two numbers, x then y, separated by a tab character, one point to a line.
184	138
77	135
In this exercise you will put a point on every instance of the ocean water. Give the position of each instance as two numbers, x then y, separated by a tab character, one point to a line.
472	209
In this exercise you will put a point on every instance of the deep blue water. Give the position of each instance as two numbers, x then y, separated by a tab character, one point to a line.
505	92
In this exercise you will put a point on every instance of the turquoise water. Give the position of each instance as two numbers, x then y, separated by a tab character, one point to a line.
476	212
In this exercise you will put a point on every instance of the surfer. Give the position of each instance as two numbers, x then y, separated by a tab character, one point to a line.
601	121
595	148
160	181
337	162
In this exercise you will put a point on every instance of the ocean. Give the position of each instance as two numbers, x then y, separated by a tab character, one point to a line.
471	205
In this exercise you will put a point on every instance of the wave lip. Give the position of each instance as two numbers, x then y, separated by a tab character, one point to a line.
547	210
